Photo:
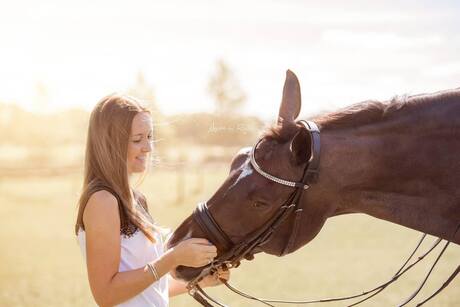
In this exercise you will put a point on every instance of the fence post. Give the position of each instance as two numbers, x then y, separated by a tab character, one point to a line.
180	181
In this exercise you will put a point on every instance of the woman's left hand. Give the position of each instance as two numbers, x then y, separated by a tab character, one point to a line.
214	279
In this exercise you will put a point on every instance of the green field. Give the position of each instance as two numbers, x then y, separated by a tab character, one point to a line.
41	264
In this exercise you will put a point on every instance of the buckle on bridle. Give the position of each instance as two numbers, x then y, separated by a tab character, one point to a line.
192	291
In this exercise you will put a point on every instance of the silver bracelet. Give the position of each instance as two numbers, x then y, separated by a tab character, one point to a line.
153	271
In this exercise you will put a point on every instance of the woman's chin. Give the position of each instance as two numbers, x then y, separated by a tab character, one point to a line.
137	169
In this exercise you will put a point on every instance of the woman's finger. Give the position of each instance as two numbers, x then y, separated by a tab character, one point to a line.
223	274
201	241
205	247
209	249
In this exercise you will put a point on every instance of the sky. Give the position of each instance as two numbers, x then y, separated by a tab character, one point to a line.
75	52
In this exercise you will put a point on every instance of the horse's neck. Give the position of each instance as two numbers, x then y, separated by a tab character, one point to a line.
396	172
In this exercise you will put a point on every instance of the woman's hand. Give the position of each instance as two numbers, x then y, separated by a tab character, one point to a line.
214	279
195	252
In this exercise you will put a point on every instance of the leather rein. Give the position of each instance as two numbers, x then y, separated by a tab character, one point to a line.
235	252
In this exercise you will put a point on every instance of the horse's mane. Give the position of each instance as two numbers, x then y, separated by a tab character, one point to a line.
366	112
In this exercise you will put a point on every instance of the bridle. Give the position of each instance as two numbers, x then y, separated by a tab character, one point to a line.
235	252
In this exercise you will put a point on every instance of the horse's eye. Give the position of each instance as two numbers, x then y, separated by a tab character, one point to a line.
260	205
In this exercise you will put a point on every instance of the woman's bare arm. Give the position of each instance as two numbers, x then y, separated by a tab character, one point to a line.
102	226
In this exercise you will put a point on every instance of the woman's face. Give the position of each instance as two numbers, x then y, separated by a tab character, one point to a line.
140	143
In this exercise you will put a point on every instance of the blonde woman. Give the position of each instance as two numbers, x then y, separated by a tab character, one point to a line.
126	262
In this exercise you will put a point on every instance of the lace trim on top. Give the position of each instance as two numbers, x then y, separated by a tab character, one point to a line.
129	229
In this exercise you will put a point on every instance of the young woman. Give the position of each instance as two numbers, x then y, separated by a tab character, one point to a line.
126	262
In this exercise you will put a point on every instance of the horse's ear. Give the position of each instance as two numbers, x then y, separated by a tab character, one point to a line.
291	102
301	147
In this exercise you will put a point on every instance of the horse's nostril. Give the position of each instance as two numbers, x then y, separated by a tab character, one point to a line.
186	273
249	257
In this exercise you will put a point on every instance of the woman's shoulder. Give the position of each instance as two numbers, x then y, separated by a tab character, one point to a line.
102	196
102	204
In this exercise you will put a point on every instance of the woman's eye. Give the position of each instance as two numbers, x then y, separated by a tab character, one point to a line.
136	141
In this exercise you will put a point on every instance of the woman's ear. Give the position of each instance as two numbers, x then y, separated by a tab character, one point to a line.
301	147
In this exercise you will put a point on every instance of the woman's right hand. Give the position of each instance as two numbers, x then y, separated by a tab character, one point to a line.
194	252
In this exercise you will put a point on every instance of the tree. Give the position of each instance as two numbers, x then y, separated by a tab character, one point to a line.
141	90
162	129
226	91
41	99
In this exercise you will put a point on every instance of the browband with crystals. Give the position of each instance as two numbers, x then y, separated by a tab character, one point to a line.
314	159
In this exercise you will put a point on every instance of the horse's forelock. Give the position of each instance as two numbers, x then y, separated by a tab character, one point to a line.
281	133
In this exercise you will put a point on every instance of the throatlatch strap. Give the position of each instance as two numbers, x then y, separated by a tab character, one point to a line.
295	230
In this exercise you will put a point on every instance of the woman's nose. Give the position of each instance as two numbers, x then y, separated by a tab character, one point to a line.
148	147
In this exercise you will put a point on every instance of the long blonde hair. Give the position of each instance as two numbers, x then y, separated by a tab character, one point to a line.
105	160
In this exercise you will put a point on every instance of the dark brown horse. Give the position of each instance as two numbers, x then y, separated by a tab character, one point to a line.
397	161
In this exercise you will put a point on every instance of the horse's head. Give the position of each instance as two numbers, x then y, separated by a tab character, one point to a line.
246	200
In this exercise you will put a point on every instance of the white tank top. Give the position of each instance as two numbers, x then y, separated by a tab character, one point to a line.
136	252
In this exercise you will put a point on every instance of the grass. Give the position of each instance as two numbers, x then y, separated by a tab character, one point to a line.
41	264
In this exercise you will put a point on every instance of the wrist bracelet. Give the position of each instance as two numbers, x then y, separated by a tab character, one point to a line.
153	271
